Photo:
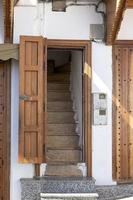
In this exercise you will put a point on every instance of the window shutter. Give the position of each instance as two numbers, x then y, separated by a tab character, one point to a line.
31	99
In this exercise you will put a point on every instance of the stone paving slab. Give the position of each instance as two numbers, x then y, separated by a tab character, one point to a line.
115	192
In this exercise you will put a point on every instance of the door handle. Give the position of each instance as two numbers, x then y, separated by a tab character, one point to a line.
24	97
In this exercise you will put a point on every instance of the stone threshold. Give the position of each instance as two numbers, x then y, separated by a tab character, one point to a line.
68	195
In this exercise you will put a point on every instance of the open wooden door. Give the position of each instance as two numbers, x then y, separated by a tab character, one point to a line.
32	99
123	113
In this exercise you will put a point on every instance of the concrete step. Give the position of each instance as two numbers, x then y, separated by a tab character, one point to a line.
59	77
63	141
60	117
58	86
70	196
63	171
56	156
56	185
59	96
54	129
60	106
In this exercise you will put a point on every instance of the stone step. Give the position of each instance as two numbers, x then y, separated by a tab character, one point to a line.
59	77
63	171
59	96
60	106
54	129
63	141
56	185
56	156
69	196
60	117
58	86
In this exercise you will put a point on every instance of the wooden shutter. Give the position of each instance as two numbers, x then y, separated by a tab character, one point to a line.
123	113
31	75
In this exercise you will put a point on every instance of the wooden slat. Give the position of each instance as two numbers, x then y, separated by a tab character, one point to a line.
124	115
31	109
130	109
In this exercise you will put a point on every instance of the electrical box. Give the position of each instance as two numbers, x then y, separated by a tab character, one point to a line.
99	109
97	32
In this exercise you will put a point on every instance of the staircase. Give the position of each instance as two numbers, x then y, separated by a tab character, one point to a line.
62	147
63	178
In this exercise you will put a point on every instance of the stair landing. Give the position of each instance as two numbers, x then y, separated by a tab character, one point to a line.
32	188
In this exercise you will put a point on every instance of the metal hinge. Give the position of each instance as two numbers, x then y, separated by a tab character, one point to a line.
2	162
44	107
43	148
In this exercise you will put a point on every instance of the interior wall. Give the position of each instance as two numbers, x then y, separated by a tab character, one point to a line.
60	57
73	24
1	24
76	87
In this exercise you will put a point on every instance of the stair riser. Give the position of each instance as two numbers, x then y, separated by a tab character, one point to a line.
55	185
63	69
59	96
60	156
54	129
62	141
55	86
60	117
60	106
59	78
63	170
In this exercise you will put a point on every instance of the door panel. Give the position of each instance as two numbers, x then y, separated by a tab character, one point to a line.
32	99
123	112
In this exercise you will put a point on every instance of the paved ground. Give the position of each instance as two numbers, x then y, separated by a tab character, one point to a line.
115	192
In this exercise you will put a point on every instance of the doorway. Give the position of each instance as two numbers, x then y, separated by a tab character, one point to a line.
65	137
83	48
33	97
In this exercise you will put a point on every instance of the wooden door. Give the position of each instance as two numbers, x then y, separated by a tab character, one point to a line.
4	130
32	99
123	113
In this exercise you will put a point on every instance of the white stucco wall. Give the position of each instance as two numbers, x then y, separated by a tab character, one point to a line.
126	30
1	24
102	135
18	171
76	87
73	24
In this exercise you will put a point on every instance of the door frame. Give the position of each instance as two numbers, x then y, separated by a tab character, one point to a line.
7	128
126	44
85	46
